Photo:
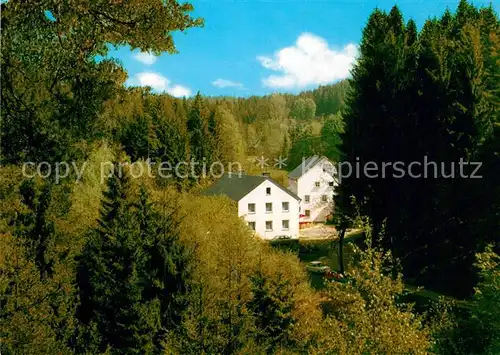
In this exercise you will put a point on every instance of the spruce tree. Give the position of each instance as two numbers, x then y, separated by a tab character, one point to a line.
171	149
33	227
331	141
214	136
132	275
136	138
272	307
457	112
196	126
364	138
108	276
167	268
416	96
38	299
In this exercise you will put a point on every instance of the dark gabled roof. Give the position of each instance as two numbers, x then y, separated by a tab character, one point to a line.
304	167
236	186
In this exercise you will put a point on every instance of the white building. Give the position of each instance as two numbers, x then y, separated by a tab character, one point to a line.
268	208
314	181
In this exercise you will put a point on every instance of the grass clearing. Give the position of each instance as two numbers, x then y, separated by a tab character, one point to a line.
326	251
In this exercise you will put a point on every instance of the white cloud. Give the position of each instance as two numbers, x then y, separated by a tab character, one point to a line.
179	91
224	83
158	83
145	58
310	61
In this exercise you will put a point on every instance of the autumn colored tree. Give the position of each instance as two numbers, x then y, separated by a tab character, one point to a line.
363	316
52	86
272	305
303	109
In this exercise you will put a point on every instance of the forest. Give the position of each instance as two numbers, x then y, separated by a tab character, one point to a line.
147	265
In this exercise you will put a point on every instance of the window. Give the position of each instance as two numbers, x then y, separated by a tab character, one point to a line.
269	226
251	208
268	191
324	198
307	213
269	207
307	198
330	183
285	206
285	224
251	225
316	184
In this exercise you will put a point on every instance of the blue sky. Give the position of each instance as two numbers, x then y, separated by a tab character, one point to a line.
254	47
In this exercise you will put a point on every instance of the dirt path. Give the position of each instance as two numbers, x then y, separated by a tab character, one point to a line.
318	231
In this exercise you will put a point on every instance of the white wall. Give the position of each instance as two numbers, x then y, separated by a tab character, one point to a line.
306	186
259	197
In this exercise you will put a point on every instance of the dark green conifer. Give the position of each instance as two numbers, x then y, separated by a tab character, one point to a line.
35	230
198	141
132	275
272	307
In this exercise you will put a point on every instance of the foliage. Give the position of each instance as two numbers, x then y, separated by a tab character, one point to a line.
136	138
52	86
160	268
407	105
219	317
272	306
304	143
37	294
486	303
197	129
132	265
331	140
363	316
33	229
471	328
86	194
230	142
36	315
303	109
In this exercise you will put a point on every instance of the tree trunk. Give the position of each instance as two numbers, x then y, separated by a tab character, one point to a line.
341	250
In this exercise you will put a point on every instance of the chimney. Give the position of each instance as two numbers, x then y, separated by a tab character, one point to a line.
238	173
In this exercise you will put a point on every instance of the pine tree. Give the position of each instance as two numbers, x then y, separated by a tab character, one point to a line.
303	144
38	298
408	103
132	275
214	136
109	278
272	307
35	230
364	139
457	113
172	149
331	141
196	126
167	268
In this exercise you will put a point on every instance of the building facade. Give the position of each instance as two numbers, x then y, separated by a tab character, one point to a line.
269	209
314	181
